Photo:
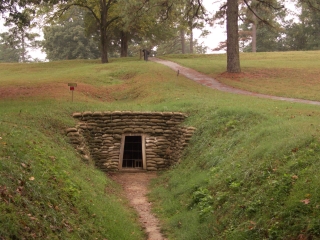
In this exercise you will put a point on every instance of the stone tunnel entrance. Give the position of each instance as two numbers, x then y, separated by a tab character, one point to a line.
123	140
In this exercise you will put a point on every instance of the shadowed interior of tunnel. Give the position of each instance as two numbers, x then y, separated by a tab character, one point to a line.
132	153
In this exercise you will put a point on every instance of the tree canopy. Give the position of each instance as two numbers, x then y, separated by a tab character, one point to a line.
66	38
19	37
8	51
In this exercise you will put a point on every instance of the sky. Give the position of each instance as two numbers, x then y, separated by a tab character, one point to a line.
217	32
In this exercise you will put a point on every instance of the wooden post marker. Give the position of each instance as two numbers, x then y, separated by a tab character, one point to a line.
72	87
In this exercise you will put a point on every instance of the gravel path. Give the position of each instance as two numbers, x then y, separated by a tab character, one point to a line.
212	83
135	186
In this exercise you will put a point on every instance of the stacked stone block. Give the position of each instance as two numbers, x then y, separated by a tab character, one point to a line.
98	136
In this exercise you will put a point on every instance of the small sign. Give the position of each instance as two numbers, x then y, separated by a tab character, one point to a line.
72	86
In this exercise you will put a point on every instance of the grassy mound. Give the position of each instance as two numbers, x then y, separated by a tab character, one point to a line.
46	191
246	175
250	171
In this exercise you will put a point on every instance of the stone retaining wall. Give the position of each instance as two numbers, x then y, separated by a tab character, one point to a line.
98	137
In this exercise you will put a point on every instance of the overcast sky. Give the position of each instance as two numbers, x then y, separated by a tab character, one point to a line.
217	32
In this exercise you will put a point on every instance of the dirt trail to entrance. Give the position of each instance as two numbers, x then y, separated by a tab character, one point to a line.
213	83
135	186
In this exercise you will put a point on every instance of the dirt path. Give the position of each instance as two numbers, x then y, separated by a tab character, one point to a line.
212	83
135	186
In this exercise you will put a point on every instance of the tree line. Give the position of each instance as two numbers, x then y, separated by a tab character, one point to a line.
87	29
120	28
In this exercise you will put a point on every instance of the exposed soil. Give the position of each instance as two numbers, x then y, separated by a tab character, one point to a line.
58	91
135	186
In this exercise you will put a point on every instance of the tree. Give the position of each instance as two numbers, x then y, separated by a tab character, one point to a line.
231	10
156	21
189	15
263	33
233	58
305	34
109	13
146	23
22	40
268	40
103	11
8	51
14	8
66	38
173	46
149	15
20	36
195	14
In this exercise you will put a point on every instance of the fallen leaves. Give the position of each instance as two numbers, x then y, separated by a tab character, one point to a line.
19	190
32	218
305	201
252	225
5	195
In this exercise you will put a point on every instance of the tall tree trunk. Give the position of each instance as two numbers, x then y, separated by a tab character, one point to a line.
103	32
254	34
233	58
191	37
183	41
124	44
23	47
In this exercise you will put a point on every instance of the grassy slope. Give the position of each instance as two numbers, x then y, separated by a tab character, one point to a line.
250	171
286	74
46	191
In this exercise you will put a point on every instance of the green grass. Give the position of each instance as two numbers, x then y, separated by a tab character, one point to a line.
47	192
250	171
253	172
84	71
285	74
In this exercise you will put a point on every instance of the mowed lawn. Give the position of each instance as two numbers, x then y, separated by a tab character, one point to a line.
285	74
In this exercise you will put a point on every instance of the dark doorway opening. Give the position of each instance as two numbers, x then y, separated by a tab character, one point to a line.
132	152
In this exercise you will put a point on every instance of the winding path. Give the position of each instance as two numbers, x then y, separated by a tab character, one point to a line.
212	83
135	186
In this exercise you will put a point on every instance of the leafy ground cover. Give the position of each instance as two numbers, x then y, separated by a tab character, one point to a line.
285	74
250	171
